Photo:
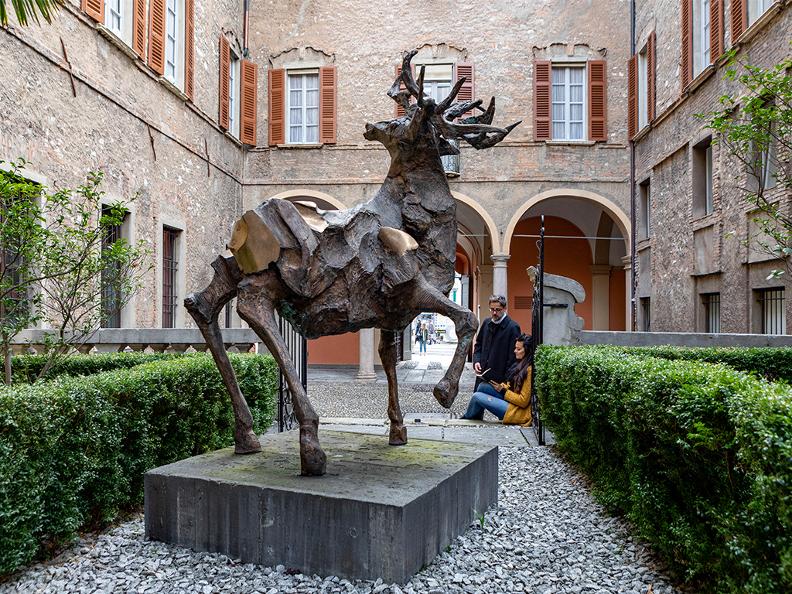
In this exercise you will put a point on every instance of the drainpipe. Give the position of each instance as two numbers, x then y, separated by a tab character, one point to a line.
245	27
633	279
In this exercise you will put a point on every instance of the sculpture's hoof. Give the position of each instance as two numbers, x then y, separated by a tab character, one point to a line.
445	392
247	443
398	434
313	461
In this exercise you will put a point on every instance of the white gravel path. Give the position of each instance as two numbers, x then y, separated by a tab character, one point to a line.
546	536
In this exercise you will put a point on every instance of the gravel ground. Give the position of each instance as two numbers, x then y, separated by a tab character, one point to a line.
546	536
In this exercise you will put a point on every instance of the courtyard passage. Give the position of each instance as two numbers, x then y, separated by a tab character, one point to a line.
547	534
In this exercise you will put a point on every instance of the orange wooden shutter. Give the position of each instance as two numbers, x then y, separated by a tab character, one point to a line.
651	78
248	105
94	9
687	42
225	77
716	29
542	99
276	88
156	56
139	28
189	46
598	100
739	19
327	104
632	97
467	91
399	110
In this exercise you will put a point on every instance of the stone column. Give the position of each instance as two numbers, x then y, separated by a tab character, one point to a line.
465	290
366	370
500	269
600	297
628	285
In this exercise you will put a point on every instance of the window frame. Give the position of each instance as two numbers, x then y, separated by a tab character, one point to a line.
645	195
711	312
702	26
756	8
702	174
178	43
234	93
125	18
777	297
170	275
567	67
303	74
643	87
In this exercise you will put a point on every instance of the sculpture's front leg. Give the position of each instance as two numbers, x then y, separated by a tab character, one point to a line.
388	355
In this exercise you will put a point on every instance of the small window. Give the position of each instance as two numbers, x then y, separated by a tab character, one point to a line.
646	210
772	315
437	80
645	319
702	178
111	294
569	100
170	270
174	41
228	314
303	107
765	167
118	19
233	95
710	303
757	8
643	88
701	35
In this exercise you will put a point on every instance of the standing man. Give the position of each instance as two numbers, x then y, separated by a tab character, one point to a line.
495	340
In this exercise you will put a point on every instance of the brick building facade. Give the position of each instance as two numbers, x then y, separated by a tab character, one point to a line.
202	111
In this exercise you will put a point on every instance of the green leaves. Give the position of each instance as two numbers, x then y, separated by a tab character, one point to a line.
695	453
73	450
30	9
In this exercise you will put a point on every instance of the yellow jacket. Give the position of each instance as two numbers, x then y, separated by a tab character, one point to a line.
519	411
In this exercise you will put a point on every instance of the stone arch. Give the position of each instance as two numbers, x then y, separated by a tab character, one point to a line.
492	228
621	220
305	193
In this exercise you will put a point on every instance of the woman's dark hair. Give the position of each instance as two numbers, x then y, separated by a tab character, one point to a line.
519	371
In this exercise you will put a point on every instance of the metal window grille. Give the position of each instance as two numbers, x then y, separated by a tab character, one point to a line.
111	293
711	303
773	315
297	347
170	268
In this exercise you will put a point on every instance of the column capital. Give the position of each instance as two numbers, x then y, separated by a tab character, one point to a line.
500	259
627	262
600	268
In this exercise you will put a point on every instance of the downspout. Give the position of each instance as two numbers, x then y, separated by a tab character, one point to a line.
633	278
245	27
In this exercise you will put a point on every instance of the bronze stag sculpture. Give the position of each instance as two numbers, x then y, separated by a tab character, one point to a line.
377	265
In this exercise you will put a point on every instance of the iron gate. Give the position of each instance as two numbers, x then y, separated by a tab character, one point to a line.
537	329
298	352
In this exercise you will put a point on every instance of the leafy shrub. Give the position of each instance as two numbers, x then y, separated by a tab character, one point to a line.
772	363
698	456
73	450
26	368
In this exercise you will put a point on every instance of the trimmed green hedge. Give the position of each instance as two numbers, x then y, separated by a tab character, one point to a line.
772	363
73	450
698	456
26	368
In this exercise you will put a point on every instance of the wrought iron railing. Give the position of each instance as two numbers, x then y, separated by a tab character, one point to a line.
298	352
537	328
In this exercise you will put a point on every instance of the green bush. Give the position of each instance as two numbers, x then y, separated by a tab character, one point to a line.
772	363
73	450
26	368
698	456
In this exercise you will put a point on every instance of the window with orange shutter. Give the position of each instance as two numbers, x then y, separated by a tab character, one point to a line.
171	43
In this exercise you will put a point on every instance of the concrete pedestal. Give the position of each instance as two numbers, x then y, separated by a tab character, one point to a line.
380	511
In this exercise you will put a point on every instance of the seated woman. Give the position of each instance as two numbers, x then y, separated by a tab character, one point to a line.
510	402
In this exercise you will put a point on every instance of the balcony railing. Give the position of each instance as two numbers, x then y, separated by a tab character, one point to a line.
451	162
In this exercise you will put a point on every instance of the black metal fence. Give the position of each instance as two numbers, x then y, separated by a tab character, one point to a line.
537	329
298	352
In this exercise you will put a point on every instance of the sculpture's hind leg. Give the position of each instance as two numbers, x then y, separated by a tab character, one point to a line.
430	299
387	352
204	307
256	307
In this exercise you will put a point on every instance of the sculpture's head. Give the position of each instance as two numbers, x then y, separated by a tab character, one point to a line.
429	124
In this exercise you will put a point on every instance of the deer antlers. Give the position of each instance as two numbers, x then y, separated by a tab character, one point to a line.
475	130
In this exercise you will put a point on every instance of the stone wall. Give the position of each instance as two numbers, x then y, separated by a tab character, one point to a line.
689	254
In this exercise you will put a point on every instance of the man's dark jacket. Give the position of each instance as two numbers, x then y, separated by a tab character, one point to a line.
495	348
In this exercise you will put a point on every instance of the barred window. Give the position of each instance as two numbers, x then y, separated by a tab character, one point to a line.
170	269
711	304
772	314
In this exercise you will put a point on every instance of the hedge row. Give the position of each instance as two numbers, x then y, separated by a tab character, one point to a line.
770	363
26	368
698	456
73	450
